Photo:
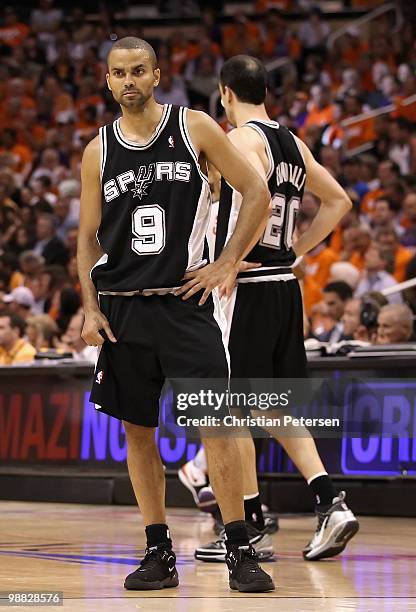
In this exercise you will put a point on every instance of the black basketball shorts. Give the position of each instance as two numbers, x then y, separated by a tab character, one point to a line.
265	327
158	337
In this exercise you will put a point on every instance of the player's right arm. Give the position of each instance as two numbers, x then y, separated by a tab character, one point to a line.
335	203
89	251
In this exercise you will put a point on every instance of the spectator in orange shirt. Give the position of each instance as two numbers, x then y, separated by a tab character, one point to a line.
22	155
367	204
388	238
321	112
312	294
356	242
13	32
318	261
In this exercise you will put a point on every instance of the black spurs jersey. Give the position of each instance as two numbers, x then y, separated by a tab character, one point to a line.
155	207
286	179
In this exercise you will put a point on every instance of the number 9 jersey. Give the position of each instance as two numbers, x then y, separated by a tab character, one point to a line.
286	177
155	208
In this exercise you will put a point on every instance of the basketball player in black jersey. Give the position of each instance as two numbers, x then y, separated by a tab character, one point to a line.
144	213
265	314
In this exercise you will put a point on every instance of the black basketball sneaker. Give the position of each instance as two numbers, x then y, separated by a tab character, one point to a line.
246	575
271	522
335	529
156	571
260	540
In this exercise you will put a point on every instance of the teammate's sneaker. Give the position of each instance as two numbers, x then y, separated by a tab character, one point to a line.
156	571
271	523
206	500
335	528
192	478
245	574
216	551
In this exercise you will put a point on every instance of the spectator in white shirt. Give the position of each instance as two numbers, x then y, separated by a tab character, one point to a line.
375	276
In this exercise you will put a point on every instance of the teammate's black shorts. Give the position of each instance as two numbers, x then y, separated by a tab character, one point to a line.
266	331
158	337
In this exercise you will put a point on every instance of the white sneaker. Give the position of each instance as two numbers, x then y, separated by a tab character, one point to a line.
335	529
192	478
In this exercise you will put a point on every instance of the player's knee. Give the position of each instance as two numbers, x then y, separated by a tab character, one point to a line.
139	432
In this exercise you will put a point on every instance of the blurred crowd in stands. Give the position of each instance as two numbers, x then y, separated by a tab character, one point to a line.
53	98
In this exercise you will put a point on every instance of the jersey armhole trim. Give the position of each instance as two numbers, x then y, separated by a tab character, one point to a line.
183	126
103	150
267	145
299	148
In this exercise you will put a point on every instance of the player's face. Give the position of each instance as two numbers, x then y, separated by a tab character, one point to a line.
131	77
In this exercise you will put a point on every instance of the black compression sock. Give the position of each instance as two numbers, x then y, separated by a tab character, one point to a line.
157	534
323	490
236	533
253	511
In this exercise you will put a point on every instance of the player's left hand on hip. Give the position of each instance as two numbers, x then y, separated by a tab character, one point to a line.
207	278
227	287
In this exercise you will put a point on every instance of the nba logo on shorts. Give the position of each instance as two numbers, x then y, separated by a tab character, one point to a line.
99	377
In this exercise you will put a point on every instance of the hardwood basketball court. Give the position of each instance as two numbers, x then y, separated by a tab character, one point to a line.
86	551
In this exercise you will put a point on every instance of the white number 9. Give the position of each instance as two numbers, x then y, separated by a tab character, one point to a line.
148	225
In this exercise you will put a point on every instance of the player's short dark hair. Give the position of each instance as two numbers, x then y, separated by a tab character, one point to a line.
132	42
246	77
16	321
343	290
